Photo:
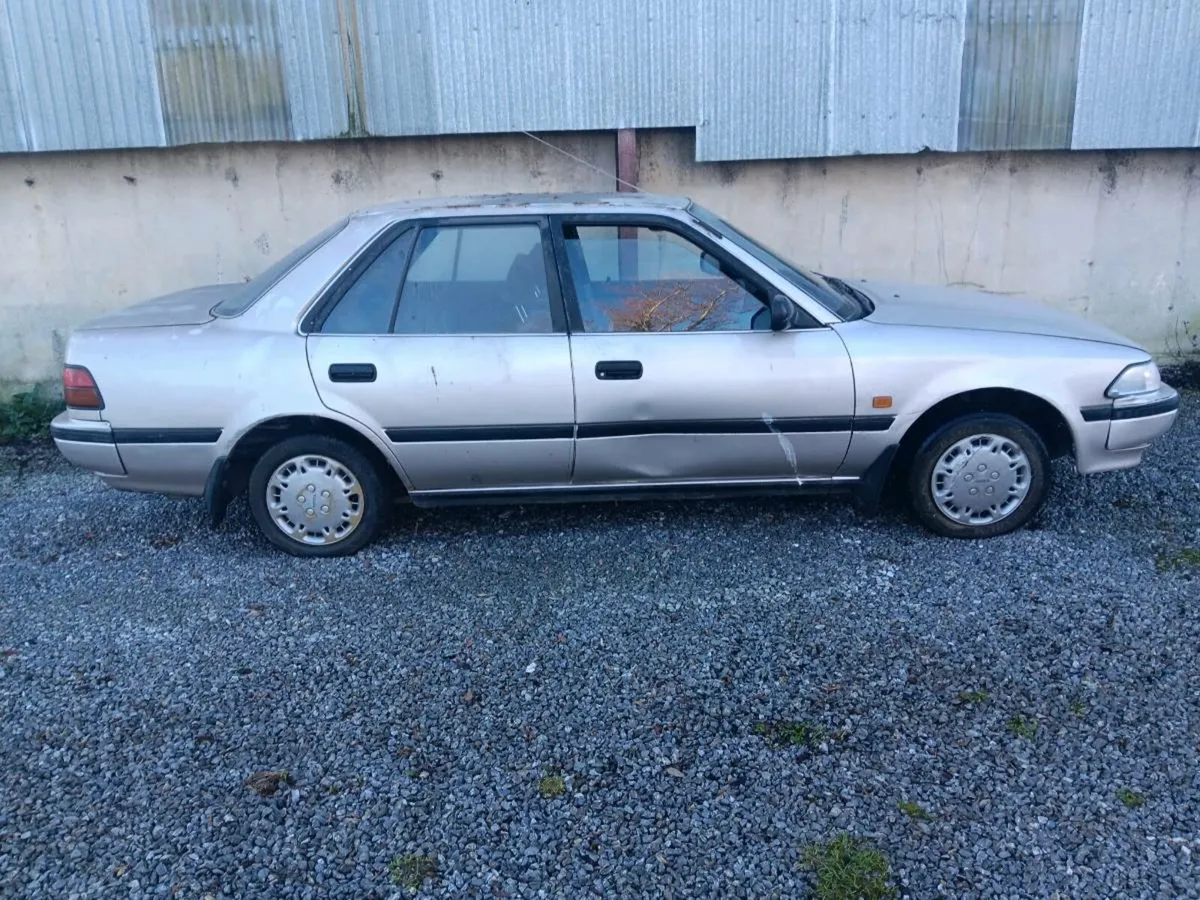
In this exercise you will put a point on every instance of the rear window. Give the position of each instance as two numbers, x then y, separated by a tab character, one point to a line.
248	294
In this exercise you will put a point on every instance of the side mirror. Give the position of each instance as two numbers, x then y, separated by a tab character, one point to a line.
782	312
709	264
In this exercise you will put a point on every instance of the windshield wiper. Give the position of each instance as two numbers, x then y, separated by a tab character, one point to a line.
848	290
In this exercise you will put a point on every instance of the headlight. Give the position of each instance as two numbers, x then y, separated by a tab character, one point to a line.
1140	378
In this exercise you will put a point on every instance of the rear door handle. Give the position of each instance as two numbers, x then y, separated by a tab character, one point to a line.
618	370
352	372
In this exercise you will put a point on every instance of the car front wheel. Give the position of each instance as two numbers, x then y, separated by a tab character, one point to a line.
979	476
316	496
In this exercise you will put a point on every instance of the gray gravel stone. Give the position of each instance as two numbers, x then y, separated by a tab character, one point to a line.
416	693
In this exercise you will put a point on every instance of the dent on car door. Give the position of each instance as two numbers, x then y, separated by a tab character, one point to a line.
451	341
677	374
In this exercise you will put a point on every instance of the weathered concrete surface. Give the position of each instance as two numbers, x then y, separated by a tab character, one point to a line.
1115	237
1112	236
83	233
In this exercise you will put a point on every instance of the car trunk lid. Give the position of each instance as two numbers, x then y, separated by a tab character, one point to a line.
189	307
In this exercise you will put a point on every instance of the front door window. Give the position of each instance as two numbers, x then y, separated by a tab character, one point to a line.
639	278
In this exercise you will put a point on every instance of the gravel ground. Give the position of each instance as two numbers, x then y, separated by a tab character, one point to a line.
417	693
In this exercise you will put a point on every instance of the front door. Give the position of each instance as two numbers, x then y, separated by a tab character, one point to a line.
450	339
678	377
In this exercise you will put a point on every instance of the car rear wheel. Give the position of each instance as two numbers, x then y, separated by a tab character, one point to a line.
979	476
316	496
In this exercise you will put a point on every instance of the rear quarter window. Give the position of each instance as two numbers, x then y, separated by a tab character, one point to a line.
250	292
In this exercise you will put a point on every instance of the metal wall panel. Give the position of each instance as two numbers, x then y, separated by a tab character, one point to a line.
1018	74
12	118
220	70
400	56
757	78
766	84
86	73
895	80
1139	75
496	65
312	45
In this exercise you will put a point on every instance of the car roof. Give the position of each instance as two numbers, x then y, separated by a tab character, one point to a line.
499	204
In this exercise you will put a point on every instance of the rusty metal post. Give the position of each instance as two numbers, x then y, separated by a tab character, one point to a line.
627	159
627	179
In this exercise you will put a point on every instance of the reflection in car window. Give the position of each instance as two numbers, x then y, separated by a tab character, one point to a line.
631	278
249	293
476	279
366	308
844	306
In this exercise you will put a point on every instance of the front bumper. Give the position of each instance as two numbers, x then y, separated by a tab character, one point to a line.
1117	434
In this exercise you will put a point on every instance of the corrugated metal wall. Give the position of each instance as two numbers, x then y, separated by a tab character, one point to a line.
756	78
1018	74
1139	75
84	74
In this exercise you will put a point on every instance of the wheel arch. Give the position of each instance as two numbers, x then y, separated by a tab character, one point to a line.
231	473
1047	421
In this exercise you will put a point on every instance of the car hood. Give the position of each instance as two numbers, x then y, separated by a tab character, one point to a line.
190	307
940	307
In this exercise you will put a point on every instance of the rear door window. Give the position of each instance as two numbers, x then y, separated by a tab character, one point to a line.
476	279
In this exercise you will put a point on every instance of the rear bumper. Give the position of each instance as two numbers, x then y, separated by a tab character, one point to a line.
1115	435
168	461
87	444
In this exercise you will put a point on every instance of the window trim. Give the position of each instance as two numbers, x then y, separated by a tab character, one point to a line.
682	229
314	320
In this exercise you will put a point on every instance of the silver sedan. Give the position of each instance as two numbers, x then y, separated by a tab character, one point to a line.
536	348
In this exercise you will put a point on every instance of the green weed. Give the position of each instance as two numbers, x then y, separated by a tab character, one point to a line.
848	868
27	415
785	733
1184	558
412	870
1131	799
915	811
1023	726
551	786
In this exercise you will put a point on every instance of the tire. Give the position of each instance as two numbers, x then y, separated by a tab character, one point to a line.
293	520
1007	484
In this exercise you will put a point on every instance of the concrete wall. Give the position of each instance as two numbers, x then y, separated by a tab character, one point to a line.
1112	236
81	233
1115	237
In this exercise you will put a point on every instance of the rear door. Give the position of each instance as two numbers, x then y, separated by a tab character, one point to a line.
678	377
449	337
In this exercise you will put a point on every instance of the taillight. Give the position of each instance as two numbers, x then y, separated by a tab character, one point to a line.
80	390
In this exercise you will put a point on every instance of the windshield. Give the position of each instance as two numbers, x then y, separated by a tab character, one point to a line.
246	296
832	293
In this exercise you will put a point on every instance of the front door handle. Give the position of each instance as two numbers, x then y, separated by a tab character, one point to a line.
618	370
352	372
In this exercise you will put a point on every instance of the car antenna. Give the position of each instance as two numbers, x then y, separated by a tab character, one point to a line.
584	162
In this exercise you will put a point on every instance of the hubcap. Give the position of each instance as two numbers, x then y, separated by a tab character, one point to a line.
315	500
980	479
